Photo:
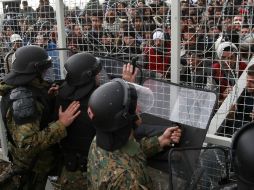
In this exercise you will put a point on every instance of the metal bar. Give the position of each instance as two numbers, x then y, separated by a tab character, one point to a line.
218	140
175	41
61	34
175	51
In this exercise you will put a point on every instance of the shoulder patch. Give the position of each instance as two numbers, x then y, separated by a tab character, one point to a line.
23	105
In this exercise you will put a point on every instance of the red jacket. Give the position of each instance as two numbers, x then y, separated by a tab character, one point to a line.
220	77
158	62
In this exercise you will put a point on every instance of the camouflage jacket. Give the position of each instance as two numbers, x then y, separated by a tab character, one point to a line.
30	141
121	169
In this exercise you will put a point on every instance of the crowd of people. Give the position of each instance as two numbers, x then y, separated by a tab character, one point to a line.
216	37
216	49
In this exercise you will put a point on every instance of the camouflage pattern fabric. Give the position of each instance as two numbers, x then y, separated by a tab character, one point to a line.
121	169
72	180
6	181
31	142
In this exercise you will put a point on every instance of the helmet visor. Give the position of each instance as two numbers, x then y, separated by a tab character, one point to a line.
145	98
45	67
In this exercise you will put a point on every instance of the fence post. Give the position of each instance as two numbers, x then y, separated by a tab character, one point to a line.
175	51
61	34
175	41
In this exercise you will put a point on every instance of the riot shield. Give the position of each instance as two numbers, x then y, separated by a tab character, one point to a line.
114	65
188	107
209	171
54	73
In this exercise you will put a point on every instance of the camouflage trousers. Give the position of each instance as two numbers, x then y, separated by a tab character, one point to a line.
72	180
12	178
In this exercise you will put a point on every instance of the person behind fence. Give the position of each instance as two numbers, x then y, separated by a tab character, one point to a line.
242	112
116	160
196	68
27	109
227	71
158	55
246	47
16	42
27	11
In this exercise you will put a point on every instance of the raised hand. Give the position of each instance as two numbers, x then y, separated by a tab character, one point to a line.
69	115
128	72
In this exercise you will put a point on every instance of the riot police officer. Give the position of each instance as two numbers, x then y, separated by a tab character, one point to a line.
83	72
116	160
27	113
242	156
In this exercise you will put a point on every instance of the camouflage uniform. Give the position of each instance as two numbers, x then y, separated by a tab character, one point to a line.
32	143
121	169
69	180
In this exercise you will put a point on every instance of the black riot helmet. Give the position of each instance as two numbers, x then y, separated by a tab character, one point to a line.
112	109
30	62
243	156
80	81
113	105
81	68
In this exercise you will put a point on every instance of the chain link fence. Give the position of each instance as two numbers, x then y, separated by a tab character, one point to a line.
216	43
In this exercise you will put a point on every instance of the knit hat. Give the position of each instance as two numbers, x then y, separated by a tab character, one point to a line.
158	35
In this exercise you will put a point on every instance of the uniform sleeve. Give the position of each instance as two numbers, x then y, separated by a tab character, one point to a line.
150	146
125	181
29	137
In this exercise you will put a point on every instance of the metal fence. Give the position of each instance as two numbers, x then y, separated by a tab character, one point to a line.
203	43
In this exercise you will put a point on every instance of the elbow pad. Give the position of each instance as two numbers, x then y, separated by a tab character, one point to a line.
23	105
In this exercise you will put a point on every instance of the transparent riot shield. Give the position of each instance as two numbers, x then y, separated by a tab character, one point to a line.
188	107
209	171
114	67
54	73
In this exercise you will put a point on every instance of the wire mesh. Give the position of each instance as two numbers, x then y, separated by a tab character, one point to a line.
216	42
214	37
199	168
